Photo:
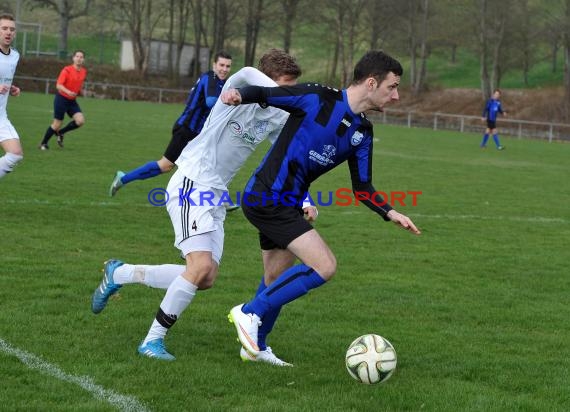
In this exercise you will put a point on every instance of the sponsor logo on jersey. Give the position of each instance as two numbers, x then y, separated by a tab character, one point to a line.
235	127
238	130
260	127
356	138
248	138
326	157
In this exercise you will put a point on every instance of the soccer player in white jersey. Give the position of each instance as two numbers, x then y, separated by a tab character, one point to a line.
206	166
9	139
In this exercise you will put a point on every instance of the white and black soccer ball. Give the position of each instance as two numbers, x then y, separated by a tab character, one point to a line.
371	359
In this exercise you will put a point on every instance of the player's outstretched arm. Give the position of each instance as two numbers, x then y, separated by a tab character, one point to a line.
403	221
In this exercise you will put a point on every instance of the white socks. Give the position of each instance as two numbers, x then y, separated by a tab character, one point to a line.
8	162
154	276
178	296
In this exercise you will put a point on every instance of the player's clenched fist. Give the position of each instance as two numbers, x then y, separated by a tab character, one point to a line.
231	97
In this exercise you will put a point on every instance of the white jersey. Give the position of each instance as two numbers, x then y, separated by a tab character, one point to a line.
8	63
230	135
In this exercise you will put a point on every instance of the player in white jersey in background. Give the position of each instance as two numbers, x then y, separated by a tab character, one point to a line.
206	166
9	139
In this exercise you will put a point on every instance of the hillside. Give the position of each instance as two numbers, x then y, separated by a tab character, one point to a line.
539	104
529	104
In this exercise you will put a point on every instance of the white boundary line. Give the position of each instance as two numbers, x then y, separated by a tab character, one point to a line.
122	402
529	219
69	203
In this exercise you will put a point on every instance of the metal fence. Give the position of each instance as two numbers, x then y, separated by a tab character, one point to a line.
108	90
437	121
463	123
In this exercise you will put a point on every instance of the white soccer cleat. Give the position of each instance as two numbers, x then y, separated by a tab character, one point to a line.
246	325
266	356
117	183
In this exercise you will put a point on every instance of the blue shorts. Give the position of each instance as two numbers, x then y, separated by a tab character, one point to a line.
63	105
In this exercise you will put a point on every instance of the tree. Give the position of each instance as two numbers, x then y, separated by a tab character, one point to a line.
445	32
383	19
341	21
551	18
100	20
418	33
525	38
67	10
254	11
220	22
567	59
491	35
141	22
178	16
353	37
197	16
376	10
181	28
170	68
529	35
553	37
289	8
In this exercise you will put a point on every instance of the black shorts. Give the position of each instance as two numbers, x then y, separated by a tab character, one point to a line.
491	124
278	224
63	105
180	137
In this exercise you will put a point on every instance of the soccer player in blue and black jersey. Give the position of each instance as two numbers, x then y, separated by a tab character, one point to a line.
490	112
200	101
325	128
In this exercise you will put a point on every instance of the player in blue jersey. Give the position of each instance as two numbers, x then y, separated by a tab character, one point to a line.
200	101
490	112
325	128
207	165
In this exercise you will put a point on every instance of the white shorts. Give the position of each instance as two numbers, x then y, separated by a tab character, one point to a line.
197	219
7	131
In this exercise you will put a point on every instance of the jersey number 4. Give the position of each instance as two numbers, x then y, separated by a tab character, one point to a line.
194	226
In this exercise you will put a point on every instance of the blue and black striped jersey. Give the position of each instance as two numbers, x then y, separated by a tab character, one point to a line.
321	133
200	101
491	109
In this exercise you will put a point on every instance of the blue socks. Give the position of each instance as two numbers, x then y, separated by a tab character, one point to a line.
268	320
292	284
151	169
486	138
496	139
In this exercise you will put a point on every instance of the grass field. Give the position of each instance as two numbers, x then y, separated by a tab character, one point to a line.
476	307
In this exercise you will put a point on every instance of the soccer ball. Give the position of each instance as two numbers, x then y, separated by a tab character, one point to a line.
371	359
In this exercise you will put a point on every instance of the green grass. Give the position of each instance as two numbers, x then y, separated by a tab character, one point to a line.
100	49
476	306
465	72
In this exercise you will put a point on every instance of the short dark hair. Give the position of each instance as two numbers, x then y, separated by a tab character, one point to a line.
77	51
222	54
276	63
377	64
7	16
